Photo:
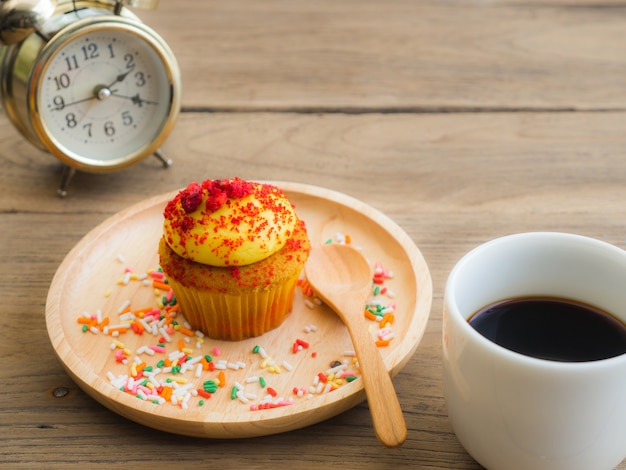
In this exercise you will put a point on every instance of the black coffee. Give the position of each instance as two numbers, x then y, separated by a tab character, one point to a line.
553	329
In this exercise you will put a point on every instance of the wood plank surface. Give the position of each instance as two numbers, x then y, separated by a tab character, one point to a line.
462	121
357	55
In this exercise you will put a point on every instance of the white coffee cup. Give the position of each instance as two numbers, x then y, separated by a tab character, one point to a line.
511	411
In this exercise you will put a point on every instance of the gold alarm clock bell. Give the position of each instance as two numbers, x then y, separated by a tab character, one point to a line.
87	81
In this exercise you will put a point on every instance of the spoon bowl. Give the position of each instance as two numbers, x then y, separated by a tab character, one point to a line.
341	277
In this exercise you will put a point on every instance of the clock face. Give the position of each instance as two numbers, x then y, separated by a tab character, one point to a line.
105	95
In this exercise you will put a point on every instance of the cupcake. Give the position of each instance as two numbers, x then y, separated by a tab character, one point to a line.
232	251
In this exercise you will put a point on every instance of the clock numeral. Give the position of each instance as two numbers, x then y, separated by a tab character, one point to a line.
87	127
62	81
70	119
127	119
141	79
71	62
58	102
109	129
130	61
111	52
90	51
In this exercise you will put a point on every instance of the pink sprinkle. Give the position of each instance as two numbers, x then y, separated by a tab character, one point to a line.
157	348
170	294
157	275
128	270
217	351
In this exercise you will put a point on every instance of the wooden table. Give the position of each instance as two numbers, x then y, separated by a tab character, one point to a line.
462	121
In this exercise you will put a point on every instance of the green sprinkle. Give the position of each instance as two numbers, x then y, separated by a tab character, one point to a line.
351	378
329	241
376	290
255	349
175	370
161	363
156	402
209	386
164	300
208	358
233	393
148	368
201	402
85	328
262	382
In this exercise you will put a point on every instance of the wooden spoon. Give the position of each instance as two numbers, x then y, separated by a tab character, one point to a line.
342	278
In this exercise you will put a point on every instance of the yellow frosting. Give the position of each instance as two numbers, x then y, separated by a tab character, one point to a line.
228	222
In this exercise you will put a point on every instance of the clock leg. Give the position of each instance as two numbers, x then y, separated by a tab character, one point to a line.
167	162
66	177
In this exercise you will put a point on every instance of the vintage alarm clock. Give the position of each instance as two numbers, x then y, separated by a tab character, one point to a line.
87	81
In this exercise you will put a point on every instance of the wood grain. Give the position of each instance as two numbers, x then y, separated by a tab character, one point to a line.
462	121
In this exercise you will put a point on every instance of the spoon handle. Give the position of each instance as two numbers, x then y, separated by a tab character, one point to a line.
384	406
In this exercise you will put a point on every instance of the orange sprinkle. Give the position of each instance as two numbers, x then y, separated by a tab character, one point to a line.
181	345
205	363
118	330
222	378
381	343
172	308
126	310
369	315
186	331
141	312
387	318
347	239
84	320
160	285
166	393
103	323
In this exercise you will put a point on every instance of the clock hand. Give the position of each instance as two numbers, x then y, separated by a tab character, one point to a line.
120	77
136	99
100	93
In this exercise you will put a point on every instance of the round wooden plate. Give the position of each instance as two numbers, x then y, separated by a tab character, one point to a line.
87	281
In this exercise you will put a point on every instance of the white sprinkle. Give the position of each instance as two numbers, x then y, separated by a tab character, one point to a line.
163	332
124	306
262	353
110	376
252	379
198	371
287	366
233	366
336	369
220	366
242	398
183	389
94	330
120	258
391	294
126	279
309	304
349	352
313	327
241	364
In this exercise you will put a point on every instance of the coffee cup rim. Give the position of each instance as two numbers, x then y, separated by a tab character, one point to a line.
452	308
